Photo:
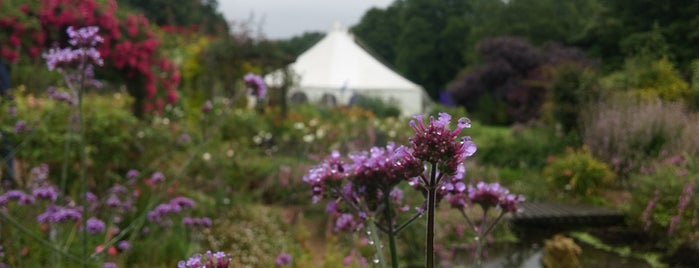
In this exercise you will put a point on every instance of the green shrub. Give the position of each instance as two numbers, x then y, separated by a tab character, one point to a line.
376	105
578	173
573	87
253	234
649	78
656	199
516	147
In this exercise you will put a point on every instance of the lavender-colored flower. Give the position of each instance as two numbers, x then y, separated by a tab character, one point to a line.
59	58
124	245
384	167
46	193
218	259
207	107
283	259
95	225
91	197
487	195
18	196
21	127
113	201
194	261
56	214
332	170
204	222
132	174
345	222
184	138
84	37
109	265
175	205
182	202
40	172
157	177
645	216
118	189
510	203
213	260
53	93
436	144
257	84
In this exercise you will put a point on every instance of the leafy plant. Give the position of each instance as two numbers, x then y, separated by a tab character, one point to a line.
578	173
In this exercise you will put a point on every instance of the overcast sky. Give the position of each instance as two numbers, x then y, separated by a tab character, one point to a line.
286	18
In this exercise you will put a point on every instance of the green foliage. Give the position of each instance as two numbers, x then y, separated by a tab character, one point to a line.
694	86
573	87
254	234
109	134
646	78
293	47
624	23
578	173
196	15
377	106
656	196
527	148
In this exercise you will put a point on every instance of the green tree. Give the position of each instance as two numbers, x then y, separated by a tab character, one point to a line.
377	31
200	14
293	47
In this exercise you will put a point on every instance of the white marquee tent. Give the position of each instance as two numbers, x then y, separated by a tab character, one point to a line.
336	68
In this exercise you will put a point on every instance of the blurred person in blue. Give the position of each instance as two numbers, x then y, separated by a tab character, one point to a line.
6	146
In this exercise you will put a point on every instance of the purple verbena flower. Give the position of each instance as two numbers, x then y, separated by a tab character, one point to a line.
18	196
109	265
40	173
345	222
257	84
53	93
210	260
84	37
332	170
123	245
435	143
510	203
46	193
182	202
132	174
56	214
21	127
95	225
204	222
283	259
486	195
218	259
156	178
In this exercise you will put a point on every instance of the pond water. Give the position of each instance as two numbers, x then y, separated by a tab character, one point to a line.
529	256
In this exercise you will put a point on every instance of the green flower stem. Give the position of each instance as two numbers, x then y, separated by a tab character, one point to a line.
374	236
391	234
83	160
431	200
408	222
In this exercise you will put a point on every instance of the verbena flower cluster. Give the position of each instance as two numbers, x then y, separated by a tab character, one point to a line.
487	195
436	144
362	185
208	260
84	52
256	84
